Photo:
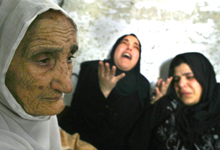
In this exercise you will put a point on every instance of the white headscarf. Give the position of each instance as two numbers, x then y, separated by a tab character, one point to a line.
19	130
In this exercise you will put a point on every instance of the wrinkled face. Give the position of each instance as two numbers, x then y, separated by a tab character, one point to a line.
41	69
127	53
187	88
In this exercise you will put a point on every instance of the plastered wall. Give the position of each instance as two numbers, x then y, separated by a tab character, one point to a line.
164	27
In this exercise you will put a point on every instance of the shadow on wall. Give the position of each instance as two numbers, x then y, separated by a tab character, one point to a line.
164	71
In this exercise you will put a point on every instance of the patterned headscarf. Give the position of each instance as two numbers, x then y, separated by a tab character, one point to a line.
192	120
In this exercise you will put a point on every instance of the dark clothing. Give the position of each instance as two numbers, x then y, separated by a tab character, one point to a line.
172	125
166	134
192	120
105	122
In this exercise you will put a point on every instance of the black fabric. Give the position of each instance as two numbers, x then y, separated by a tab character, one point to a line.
191	121
106	122
143	133
128	84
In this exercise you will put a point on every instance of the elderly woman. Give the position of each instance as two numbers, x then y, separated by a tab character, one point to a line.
37	44
189	117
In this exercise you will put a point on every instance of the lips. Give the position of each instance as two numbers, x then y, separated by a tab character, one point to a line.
127	55
53	98
185	93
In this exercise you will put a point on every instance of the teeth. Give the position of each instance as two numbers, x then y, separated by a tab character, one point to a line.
127	55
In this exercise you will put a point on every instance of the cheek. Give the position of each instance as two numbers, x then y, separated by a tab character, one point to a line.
24	88
33	83
116	55
176	89
198	89
70	69
118	52
136	57
22	78
29	85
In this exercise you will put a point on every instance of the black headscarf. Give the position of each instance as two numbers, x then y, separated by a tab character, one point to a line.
131	82
192	120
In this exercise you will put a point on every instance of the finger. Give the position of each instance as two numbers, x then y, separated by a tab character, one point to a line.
120	76
159	82
157	91
163	87
157	96
100	69
107	69
113	71
168	81
166	85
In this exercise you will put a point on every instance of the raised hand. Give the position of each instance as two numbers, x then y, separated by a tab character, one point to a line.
161	89
107	78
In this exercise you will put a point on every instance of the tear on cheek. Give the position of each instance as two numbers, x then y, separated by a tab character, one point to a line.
41	87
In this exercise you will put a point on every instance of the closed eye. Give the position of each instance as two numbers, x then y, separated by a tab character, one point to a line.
124	42
70	59
176	79
190	77
44	61
136	47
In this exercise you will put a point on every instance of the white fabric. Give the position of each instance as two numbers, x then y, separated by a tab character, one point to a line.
19	130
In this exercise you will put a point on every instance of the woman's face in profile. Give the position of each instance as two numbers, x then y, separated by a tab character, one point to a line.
41	69
186	86
127	53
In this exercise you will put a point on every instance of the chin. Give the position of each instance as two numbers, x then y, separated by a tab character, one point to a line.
124	68
48	110
189	103
55	110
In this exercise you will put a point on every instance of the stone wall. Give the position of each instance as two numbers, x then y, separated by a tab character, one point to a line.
164	27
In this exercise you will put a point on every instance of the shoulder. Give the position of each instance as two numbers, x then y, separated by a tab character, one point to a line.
162	109
143	80
166	102
93	63
12	141
88	69
89	65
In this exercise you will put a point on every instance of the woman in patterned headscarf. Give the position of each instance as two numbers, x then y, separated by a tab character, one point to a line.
189	117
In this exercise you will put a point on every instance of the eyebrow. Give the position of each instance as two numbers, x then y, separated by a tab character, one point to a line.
134	42
185	74
46	49
74	48
52	49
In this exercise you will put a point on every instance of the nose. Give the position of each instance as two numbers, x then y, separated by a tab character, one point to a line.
182	82
130	47
62	78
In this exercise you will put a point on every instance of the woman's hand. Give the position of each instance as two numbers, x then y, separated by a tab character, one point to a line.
161	89
107	78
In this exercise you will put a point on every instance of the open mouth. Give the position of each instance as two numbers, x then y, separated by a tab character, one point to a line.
127	55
